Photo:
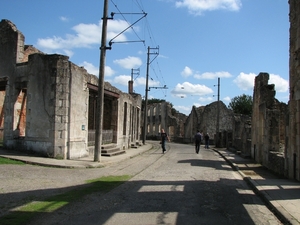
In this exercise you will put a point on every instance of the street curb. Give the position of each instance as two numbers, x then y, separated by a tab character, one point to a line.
276	208
73	164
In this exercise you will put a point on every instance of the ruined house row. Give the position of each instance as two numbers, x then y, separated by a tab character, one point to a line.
182	128
163	116
48	104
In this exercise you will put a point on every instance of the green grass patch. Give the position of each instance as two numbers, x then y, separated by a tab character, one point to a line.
10	161
25	213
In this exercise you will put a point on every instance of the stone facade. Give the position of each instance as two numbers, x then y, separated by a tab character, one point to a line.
204	118
163	116
268	124
292	154
240	139
49	104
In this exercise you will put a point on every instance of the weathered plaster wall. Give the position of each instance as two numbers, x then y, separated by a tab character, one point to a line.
56	101
293	139
128	132
75	98
56	89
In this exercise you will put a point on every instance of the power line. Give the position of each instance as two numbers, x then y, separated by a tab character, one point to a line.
129	24
150	38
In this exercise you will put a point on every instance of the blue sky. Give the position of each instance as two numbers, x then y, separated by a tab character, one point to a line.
197	41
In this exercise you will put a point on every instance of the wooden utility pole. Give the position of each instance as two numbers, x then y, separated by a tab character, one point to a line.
146	91
146	97
100	99
218	115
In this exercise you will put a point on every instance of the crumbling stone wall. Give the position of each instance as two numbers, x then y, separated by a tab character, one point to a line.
241	134
204	118
268	120
192	123
163	116
276	163
292	165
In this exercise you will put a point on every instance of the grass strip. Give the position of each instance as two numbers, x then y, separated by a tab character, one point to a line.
10	161
25	213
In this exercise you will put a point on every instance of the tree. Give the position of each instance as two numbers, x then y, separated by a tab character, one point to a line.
152	101
241	104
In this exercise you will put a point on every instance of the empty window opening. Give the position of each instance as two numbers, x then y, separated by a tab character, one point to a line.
125	118
2	100
19	125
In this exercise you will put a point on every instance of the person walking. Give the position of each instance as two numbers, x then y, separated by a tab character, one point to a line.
206	139
198	137
163	137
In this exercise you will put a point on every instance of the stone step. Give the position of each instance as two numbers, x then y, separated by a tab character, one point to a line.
114	153
110	150
133	145
108	146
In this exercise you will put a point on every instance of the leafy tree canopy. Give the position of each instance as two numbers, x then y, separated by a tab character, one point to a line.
152	101
241	104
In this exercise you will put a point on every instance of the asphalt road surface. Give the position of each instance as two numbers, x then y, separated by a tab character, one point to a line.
178	187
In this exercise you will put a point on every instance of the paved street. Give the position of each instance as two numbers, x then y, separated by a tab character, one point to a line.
178	187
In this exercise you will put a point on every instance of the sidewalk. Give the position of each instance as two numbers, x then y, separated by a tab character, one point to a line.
87	162
282	196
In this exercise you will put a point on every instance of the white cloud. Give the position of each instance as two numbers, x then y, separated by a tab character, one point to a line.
90	68
129	63
206	99
181	108
109	71
140	81
197	104
245	81
95	70
85	36
196	7
122	80
227	99
281	85
211	75
185	89
68	52
187	72
64	19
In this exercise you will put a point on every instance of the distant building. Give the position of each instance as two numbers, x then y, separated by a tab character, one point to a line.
163	115
204	118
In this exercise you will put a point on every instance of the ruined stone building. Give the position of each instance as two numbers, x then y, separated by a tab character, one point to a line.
292	154
276	127
204	118
163	116
48	104
268	125
240	137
